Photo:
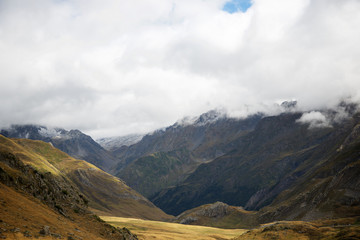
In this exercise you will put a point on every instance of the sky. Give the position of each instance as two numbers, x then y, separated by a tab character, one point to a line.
116	67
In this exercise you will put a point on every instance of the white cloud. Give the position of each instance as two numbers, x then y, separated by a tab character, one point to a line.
314	119
118	67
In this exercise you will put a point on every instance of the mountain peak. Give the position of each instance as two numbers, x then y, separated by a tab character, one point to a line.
204	119
289	105
111	143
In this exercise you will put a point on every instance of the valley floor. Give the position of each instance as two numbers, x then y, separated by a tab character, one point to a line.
346	228
146	229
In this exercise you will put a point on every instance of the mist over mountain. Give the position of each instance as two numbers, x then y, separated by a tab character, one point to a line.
264	162
223	113
111	143
295	165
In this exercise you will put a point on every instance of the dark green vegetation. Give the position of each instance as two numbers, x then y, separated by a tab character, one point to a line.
154	172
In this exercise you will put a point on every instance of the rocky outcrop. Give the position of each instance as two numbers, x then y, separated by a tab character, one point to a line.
57	192
218	215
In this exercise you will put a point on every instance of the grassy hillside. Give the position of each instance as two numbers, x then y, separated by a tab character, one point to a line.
104	192
25	217
39	200
163	231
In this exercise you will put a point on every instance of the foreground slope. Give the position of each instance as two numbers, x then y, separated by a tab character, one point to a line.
104	192
26	217
37	200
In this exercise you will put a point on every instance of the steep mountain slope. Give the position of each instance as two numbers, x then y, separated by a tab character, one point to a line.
330	190
73	142
103	191
265	162
204	137
166	157
37	200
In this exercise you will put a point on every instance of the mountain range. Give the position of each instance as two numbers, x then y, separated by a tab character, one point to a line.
293	165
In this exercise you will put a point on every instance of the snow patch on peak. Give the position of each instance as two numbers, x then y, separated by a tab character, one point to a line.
49	132
111	143
204	119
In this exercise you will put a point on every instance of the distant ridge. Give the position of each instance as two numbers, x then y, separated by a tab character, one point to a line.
73	142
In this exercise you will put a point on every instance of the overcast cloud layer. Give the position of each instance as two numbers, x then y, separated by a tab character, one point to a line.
123	66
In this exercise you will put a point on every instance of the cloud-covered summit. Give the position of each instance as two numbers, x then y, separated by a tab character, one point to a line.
118	67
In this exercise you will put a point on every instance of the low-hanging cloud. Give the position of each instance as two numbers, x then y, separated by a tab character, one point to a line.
315	119
118	67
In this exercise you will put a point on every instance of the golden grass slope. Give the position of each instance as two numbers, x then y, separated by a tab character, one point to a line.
105	192
145	229
22	217
346	228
